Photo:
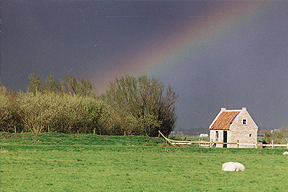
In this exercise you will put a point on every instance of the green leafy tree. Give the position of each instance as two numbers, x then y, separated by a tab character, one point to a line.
85	87
50	84
141	105
284	130
277	137
71	85
81	87
35	85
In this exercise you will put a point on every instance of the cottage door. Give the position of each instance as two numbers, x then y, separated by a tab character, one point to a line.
224	139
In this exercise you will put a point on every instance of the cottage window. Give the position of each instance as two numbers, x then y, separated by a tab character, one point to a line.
216	136
244	122
250	135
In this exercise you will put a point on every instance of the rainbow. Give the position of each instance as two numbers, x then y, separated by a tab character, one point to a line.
164	54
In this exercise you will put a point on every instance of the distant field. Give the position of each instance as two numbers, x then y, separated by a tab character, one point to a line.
135	166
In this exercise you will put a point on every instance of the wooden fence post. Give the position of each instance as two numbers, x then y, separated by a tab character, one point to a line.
237	143
272	144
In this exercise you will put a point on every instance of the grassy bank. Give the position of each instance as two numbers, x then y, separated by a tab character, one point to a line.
76	139
133	165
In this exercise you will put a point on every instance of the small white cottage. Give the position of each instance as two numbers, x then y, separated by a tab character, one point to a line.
234	127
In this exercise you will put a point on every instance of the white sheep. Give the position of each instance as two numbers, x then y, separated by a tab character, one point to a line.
231	166
285	153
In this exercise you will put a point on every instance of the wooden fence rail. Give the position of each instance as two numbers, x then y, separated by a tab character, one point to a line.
211	143
275	145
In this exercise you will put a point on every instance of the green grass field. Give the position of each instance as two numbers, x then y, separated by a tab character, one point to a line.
132	164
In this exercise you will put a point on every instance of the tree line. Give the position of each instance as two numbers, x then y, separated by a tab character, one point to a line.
130	106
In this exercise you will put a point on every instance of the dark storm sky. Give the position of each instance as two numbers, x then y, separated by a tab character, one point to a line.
214	53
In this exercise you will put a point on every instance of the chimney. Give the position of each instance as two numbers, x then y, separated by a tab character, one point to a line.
223	109
244	108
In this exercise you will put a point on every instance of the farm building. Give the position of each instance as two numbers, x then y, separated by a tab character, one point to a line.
234	127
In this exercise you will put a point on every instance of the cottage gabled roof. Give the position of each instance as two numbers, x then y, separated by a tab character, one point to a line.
224	120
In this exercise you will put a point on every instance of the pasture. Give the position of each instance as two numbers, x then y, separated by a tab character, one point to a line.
132	165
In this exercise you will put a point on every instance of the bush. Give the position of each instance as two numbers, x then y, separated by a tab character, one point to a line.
63	113
141	106
277	137
130	106
10	113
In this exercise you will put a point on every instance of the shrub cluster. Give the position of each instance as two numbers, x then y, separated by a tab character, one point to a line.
50	112
277	137
142	105
139	111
